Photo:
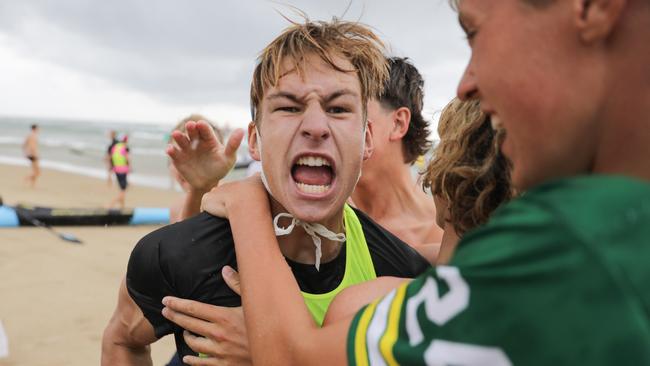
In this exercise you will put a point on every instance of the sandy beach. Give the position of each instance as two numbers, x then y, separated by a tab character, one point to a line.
56	297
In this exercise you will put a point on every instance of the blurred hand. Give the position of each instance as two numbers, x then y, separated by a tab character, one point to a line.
200	158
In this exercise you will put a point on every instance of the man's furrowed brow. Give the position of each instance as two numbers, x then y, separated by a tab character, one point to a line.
326	98
340	93
284	95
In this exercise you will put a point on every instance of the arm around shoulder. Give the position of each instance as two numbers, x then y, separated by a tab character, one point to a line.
352	299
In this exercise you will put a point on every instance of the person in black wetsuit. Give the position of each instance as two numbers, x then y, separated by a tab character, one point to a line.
310	131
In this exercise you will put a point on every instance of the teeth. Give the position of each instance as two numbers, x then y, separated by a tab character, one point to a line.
308	188
313	161
496	122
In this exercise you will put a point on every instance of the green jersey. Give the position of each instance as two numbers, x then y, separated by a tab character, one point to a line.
559	276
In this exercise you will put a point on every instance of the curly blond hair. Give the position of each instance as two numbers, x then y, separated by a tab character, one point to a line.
467	169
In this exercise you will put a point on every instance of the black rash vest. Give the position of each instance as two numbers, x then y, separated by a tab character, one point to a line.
185	260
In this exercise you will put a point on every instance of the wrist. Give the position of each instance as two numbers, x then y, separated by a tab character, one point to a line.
198	191
253	202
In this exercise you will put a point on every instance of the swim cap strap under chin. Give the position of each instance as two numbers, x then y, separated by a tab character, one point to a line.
312	229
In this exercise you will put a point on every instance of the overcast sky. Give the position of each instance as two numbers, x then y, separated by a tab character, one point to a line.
157	61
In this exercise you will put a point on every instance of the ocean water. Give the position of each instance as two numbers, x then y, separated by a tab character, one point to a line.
79	147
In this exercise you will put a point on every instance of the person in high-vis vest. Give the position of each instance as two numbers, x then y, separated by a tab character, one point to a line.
309	130
121	168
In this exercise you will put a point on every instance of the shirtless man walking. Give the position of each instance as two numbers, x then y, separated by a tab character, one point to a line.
30	148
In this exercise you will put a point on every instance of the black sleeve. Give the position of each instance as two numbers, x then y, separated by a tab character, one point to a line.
183	260
390	255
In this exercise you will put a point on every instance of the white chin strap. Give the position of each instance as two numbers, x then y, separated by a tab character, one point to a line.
312	230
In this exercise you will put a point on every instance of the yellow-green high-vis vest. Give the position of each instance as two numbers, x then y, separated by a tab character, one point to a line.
358	266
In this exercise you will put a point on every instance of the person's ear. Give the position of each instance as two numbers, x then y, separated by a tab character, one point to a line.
401	122
596	19
368	144
253	149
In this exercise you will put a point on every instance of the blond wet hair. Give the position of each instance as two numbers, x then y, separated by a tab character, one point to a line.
351	41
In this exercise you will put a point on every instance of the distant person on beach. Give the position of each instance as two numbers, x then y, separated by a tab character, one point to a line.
108	158
30	149
121	168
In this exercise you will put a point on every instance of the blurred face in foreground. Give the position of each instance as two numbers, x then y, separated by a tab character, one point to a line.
538	80
313	138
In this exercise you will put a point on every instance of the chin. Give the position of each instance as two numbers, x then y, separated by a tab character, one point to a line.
523	181
315	212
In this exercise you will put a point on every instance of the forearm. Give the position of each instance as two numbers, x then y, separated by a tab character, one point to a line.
270	294
192	203
117	352
128	334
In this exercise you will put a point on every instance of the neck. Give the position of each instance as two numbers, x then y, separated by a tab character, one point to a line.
448	245
625	141
386	190
299	246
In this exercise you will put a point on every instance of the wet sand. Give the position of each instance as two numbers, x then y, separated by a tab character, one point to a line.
56	297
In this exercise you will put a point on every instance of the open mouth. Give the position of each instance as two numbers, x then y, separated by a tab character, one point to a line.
313	174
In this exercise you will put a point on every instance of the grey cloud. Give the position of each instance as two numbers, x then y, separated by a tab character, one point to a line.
203	51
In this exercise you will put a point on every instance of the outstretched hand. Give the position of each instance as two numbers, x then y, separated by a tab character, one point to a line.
199	156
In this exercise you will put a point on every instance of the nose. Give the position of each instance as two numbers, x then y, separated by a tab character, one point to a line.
467	88
315	124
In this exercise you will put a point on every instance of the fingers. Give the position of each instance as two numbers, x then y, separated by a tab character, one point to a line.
190	323
201	361
206	132
192	132
232	279
234	141
192	308
171	151
201	344
181	139
213	205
